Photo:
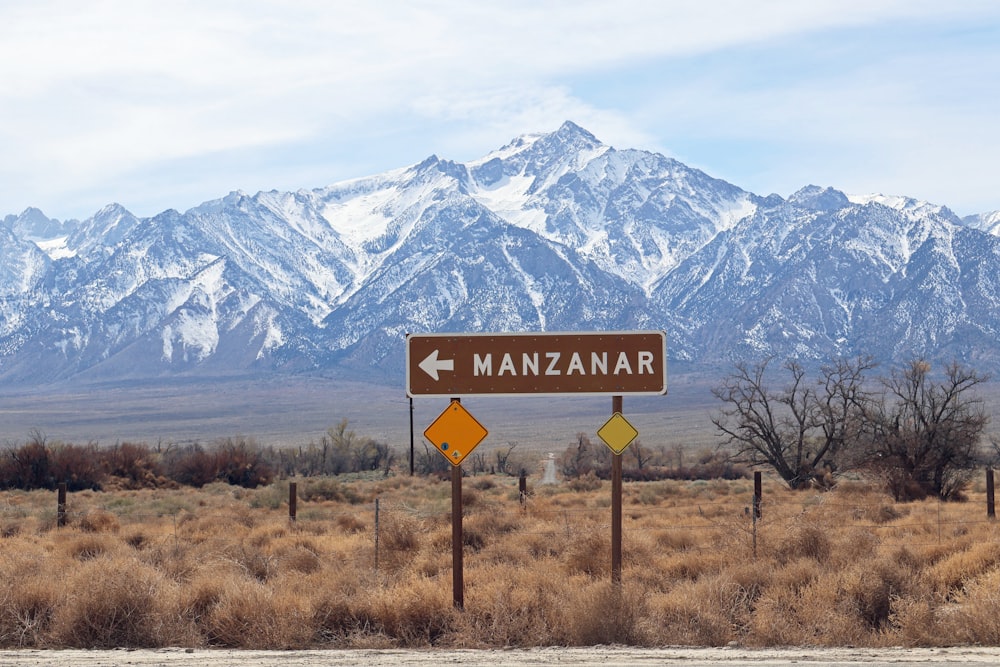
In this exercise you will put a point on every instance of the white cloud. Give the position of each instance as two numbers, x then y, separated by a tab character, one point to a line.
96	96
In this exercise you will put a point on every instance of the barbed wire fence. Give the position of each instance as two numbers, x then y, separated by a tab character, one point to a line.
532	528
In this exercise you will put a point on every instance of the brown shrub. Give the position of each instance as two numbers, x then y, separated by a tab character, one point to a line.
80	467
350	523
112	603
602	613
484	527
191	466
584	483
589	553
690	615
248	614
917	622
679	566
138	538
495	522
26	609
417	612
331	489
470	497
867	591
88	546
99	521
263	535
804	539
843	606
333	616
775	620
483	483
499	614
953	573
231	573
253	561
400	533
134	466
300	559
852	545
10	528
974	618
200	595
792	577
239	462
677	539
41	465
542	544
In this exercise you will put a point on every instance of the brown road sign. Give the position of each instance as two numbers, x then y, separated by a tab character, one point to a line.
598	363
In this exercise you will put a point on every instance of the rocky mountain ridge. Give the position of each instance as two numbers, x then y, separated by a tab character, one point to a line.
551	232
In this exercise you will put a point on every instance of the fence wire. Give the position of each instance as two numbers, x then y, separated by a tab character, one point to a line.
529	528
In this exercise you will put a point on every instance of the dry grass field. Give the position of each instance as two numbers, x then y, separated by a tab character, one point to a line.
225	567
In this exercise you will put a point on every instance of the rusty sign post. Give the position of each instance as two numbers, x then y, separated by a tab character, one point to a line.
457	541
617	433
616	505
456	433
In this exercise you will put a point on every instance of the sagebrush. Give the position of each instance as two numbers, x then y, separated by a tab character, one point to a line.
225	566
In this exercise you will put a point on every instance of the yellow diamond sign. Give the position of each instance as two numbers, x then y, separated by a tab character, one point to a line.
455	433
617	433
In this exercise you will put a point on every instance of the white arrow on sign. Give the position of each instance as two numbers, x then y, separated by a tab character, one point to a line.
431	365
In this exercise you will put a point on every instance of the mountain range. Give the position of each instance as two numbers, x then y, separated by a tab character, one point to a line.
552	232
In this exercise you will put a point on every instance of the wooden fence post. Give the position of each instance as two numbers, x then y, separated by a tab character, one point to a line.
293	499
61	505
756	495
756	512
376	533
991	508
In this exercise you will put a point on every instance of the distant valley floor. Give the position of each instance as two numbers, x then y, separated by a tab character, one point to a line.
296	410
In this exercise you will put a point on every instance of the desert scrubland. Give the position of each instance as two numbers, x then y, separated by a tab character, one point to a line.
366	564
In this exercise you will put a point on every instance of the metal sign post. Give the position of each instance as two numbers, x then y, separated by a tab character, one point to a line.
616	505
456	433
617	433
457	552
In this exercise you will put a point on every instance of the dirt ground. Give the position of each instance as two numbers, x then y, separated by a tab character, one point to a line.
539	657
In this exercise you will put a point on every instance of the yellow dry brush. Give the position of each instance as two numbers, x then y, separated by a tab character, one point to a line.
225	566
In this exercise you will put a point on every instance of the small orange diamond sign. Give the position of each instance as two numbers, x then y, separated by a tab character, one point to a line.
617	433
455	433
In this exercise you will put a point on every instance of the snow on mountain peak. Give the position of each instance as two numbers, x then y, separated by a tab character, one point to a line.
550	231
913	208
56	248
819	199
987	222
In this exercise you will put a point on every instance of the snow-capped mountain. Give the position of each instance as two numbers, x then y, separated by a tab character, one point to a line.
550	232
988	222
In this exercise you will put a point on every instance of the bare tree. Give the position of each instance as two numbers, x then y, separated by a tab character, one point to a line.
478	462
927	432
431	462
642	455
803	430
845	401
503	459
577	460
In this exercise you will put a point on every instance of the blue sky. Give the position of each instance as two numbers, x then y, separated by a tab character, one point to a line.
164	105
